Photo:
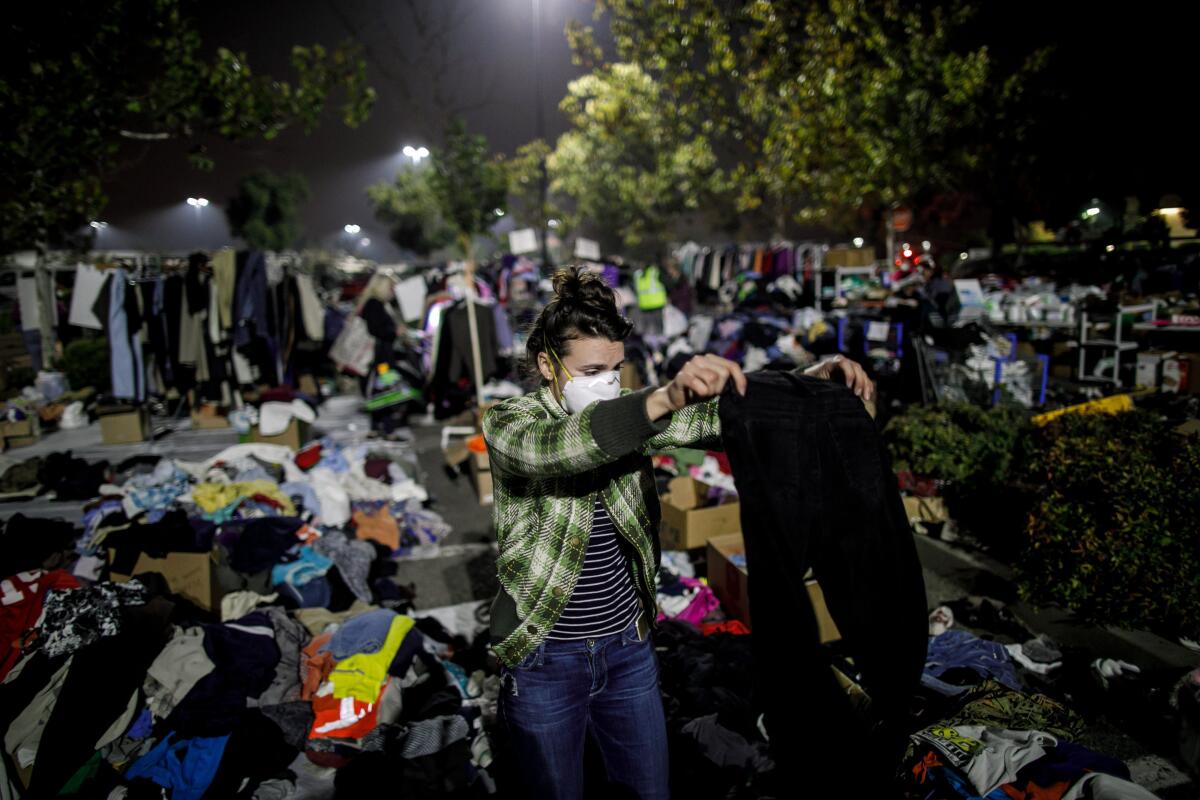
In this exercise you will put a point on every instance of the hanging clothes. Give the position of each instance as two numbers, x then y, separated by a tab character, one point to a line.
252	317
311	311
117	304
224	267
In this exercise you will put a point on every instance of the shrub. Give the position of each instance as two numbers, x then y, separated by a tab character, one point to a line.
1115	532
85	363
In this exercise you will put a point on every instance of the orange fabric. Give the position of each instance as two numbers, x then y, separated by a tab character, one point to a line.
307	534
330	710
1031	791
316	666
921	769
380	527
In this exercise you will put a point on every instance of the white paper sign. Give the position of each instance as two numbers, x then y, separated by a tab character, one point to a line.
88	283
586	248
523	241
877	331
970	293
27	296
410	294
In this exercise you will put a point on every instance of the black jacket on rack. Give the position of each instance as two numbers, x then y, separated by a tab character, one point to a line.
452	366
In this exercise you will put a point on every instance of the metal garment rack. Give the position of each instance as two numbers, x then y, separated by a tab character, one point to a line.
1117	345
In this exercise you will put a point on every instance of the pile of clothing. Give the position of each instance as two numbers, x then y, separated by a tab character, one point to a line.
293	664
983	734
268	705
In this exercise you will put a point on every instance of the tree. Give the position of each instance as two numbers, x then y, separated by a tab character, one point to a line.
525	188
824	107
408	206
629	163
84	82
451	201
265	211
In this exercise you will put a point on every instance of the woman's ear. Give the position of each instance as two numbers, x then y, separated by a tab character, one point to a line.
545	367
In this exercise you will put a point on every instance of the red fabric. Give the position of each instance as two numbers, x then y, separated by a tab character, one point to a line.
308	457
270	501
734	626
916	486
21	598
722	461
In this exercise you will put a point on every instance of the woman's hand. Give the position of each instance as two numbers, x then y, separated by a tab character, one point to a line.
702	378
855	375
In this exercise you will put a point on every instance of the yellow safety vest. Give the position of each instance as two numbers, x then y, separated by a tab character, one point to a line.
651	294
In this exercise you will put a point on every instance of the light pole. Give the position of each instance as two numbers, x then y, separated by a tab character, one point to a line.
417	154
541	127
198	203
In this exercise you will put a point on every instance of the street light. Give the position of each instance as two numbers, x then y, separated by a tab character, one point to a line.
351	229
197	202
97	224
553	223
415	153
499	212
859	241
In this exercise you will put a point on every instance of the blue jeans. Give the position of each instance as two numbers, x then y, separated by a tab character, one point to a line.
607	687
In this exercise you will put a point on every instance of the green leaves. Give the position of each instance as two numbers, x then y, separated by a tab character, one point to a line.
821	106
452	200
134	73
630	163
265	212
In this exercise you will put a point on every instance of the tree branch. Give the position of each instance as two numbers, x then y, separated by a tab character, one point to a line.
145	137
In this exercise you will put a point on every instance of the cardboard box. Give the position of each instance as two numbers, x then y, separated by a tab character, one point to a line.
191	575
730	582
125	427
22	433
481	476
1176	374
481	410
308	385
295	436
925	509
850	257
1148	366
209	421
686	526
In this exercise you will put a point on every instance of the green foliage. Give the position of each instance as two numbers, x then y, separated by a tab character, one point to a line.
84	82
828	107
963	445
408	206
1108	505
85	363
525	188
265	211
451	201
630	164
1115	534
468	182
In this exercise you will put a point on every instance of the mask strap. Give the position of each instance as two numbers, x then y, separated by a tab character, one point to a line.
560	364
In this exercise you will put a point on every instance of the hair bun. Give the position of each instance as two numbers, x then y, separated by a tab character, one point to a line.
576	286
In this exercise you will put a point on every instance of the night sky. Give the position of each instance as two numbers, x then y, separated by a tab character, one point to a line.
1126	127
487	74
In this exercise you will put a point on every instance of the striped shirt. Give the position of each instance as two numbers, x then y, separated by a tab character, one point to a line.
604	601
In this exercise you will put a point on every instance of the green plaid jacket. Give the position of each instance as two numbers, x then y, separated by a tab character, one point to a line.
547	469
